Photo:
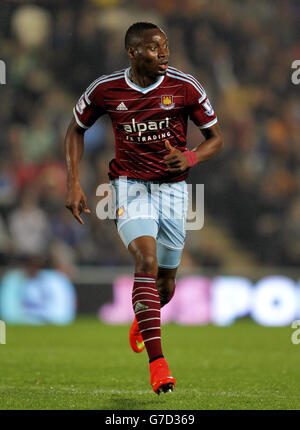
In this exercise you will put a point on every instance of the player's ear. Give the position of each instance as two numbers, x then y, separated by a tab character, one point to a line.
131	52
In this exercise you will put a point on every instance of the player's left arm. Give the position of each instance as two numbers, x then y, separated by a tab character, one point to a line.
213	144
178	161
203	115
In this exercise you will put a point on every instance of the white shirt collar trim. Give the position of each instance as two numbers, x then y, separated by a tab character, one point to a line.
141	89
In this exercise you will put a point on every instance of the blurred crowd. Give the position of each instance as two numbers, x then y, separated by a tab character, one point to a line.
242	54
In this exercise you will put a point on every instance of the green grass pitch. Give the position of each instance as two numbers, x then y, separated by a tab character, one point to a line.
89	365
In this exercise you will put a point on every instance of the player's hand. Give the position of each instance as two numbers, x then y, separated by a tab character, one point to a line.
176	161
76	202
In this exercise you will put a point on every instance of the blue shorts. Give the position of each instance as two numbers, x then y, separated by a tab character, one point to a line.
148	208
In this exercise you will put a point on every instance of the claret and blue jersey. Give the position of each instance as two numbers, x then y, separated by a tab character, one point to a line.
143	118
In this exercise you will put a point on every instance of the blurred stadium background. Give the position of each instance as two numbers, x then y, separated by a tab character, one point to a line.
51	266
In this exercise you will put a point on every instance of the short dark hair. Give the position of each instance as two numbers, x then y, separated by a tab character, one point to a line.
136	30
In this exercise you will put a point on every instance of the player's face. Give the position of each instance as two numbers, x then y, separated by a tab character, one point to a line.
151	55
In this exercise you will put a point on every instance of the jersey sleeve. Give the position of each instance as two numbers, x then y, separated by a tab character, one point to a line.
200	110
90	106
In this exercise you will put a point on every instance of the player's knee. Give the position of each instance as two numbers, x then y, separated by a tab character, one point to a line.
146	263
165	288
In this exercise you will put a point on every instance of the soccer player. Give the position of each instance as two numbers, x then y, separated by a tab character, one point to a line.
149	104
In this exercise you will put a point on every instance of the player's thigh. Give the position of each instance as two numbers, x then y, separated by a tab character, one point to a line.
172	221
167	257
135	217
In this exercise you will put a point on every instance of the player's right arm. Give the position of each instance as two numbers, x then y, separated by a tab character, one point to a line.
87	110
74	144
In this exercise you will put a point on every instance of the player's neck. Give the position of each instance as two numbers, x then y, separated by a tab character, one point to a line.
141	80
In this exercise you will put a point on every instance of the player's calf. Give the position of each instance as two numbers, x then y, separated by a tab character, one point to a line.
166	284
166	290
146	306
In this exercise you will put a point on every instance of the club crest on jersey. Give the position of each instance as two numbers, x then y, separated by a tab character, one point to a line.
167	102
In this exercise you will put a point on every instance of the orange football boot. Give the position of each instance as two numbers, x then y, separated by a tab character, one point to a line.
135	337
161	378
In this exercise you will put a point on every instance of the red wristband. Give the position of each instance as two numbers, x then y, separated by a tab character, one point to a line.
191	157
